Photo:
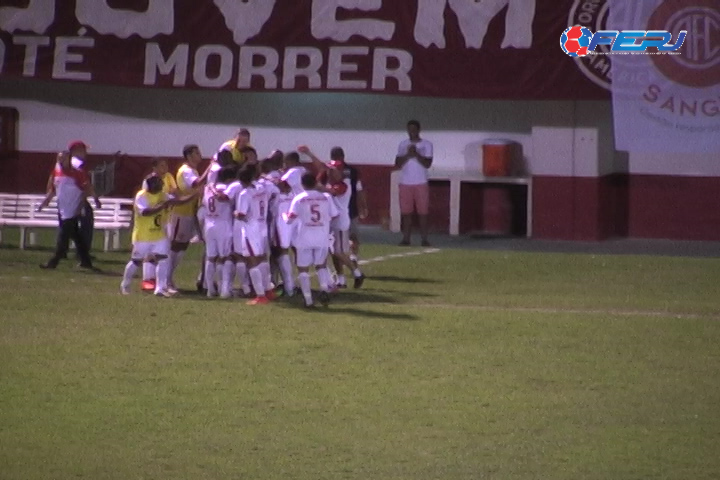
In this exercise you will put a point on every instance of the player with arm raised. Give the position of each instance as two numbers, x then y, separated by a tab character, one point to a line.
184	222
313	211
150	241
333	181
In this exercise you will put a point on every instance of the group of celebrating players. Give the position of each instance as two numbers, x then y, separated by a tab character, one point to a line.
252	216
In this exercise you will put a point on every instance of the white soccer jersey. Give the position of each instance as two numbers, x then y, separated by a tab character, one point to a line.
293	177
217	212
342	202
253	203
213	174
313	211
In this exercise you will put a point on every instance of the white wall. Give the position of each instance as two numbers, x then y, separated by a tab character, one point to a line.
46	128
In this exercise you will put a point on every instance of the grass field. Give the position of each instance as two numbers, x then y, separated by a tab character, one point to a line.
455	364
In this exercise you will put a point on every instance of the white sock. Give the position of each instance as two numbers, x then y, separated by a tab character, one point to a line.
258	284
323	278
265	269
287	273
304	278
130	270
228	270
357	273
148	271
210	276
175	258
341	280
353	257
161	274
241	273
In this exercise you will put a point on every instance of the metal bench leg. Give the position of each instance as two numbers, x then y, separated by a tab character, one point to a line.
33	238
116	240
22	238
106	240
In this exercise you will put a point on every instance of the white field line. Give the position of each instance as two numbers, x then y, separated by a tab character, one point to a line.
384	258
88	278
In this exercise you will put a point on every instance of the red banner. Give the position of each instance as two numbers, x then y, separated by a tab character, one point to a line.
493	49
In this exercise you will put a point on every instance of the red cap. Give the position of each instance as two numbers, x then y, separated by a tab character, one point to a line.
77	144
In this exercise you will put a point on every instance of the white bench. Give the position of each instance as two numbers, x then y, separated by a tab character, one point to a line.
20	211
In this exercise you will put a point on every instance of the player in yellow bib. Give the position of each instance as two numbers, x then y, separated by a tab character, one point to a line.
236	145
149	238
184	222
160	168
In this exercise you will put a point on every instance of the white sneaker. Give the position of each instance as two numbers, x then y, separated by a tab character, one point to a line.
171	289
226	295
163	293
124	289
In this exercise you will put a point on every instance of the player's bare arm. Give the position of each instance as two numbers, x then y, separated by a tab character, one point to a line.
362	204
181	200
150	211
317	163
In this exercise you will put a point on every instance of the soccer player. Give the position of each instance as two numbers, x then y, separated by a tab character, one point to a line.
150	242
293	172
159	168
251	210
184	223
235	146
281	235
313	211
218	233
338	186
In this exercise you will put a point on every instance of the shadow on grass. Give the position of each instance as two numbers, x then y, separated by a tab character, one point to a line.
393	278
347	304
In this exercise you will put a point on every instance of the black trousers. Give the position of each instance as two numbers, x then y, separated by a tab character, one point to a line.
87	224
70	230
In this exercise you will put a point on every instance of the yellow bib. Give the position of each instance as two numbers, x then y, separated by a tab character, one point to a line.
187	209
149	228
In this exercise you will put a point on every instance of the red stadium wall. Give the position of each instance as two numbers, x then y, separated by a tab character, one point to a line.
564	208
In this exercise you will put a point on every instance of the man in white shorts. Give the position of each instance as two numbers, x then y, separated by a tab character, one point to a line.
150	242
313	211
251	211
218	233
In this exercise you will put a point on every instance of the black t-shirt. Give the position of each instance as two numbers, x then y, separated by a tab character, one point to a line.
353	174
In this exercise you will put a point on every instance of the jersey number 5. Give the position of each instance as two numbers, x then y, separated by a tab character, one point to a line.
315	213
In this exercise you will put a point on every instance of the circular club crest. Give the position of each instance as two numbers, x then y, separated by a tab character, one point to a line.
698	64
575	41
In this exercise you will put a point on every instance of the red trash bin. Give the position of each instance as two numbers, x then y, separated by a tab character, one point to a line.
497	157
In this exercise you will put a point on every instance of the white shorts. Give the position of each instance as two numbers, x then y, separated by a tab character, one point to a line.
341	241
142	249
282	234
311	256
237	238
182	228
254	242
218	241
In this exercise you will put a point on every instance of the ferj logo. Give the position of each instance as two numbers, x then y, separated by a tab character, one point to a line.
579	41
